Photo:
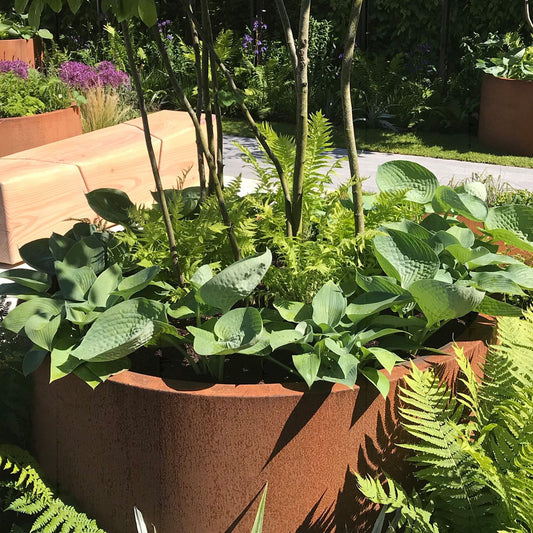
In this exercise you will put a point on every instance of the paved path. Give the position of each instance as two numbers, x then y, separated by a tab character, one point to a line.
444	169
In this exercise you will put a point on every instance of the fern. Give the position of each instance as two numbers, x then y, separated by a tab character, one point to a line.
31	495
474	451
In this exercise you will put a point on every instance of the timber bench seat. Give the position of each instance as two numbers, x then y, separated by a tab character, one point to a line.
43	189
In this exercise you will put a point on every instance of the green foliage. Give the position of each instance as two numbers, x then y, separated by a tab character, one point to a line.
512	58
37	94
26	493
17	27
79	305
473	451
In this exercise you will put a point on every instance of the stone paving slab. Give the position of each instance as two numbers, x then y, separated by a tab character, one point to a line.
444	169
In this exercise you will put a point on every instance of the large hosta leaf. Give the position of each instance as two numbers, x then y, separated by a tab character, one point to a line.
45	308
111	204
493	307
405	257
520	274
74	282
442	301
121	330
239	328
495	282
329	305
419	183
515	218
33	279
461	203
236	281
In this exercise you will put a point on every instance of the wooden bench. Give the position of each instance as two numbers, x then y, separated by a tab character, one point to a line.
42	188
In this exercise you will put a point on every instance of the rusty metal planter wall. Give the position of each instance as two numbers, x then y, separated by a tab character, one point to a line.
195	457
506	115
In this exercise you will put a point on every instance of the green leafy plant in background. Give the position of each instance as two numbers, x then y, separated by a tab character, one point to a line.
37	94
17	27
513	58
474	450
25	492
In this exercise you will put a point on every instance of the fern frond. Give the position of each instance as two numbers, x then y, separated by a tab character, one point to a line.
36	498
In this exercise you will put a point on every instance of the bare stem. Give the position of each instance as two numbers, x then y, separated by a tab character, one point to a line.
257	132
347	116
155	170
209	155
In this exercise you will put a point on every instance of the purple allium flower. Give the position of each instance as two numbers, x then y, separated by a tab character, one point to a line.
82	76
18	67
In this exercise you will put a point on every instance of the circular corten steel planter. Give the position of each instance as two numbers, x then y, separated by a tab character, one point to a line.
506	115
30	51
195	457
23	133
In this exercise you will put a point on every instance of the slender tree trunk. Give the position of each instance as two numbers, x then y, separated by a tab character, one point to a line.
210	46
251	122
527	14
199	102
151	155
347	116
208	154
300	61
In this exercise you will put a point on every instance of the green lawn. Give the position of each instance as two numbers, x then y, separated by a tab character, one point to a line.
445	146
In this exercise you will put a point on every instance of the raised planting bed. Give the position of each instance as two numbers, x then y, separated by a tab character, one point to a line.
506	115
22	133
195	457
28	50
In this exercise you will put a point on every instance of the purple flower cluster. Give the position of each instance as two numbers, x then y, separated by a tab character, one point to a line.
18	67
255	42
82	76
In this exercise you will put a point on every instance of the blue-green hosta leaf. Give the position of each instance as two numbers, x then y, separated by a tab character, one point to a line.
284	337
37	254
238	328
236	281
329	305
18	291
405	257
462	204
369	335
89	251
379	284
511	239
137	282
441	301
408	226
62	362
205	342
261	345
60	245
479	257
493	307
96	373
41	330
74	282
418	182
33	359
443	275
121	330
100	293
378	379
368	303
516	218
385	358
33	279
476	188
110	204
341	368
520	274
293	311
434	222
201	276
46	308
80	313
307	365
495	282
464	236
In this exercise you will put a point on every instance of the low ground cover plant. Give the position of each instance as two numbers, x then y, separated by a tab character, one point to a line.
473	451
25	91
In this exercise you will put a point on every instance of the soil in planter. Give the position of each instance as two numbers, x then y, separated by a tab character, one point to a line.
239	369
